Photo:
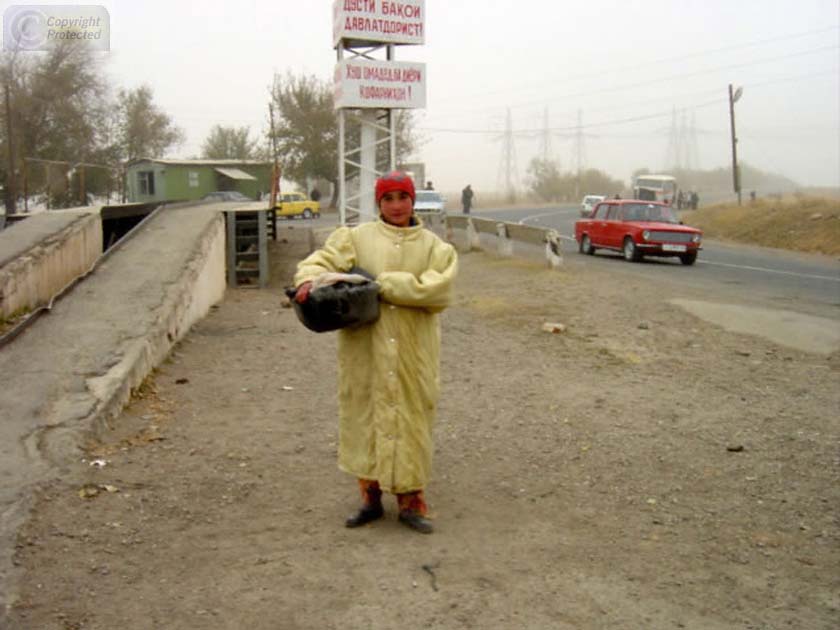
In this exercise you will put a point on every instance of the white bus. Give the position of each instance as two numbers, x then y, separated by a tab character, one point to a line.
655	188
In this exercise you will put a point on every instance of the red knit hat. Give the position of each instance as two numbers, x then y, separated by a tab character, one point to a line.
395	180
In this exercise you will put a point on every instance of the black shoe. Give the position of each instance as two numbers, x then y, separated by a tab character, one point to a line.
365	515
416	522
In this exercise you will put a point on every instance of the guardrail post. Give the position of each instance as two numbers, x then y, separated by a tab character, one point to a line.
448	231
552	249
436	221
505	244
473	240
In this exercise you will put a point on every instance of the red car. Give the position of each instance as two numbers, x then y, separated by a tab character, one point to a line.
637	229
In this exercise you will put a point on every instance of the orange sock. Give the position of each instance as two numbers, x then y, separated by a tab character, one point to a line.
413	502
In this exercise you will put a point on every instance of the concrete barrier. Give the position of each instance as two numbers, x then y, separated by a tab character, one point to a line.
43	254
465	232
507	235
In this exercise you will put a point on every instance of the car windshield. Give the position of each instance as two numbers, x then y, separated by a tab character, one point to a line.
649	212
424	195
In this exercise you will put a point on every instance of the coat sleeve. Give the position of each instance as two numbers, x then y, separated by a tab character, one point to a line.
431	290
337	254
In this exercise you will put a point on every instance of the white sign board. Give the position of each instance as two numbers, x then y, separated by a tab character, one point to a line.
379	21
381	84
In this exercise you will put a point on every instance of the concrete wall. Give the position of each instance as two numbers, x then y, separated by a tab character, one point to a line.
43	254
200	285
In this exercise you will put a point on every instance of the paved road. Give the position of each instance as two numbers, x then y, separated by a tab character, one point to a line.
778	278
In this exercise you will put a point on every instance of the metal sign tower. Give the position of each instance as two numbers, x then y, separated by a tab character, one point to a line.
368	86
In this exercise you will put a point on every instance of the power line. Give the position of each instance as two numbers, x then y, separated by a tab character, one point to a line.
573	128
623	69
832	72
680	76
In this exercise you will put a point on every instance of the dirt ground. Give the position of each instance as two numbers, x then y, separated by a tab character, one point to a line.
642	469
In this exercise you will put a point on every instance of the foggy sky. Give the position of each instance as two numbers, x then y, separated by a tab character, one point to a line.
624	66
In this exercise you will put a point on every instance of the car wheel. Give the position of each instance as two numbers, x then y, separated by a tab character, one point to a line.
631	252
586	245
307	213
689	258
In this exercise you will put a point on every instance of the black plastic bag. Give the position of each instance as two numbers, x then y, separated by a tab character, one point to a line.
339	305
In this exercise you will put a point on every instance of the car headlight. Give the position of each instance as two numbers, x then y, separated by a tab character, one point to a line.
646	235
696	238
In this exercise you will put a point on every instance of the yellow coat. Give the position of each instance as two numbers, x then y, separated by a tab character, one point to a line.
388	372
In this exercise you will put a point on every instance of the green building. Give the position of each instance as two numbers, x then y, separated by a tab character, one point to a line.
183	180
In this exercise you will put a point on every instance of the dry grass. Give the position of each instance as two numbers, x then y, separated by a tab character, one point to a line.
807	224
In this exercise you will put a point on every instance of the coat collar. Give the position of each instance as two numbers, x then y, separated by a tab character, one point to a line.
404	232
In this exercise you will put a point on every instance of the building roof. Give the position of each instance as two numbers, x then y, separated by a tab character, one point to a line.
175	162
234	173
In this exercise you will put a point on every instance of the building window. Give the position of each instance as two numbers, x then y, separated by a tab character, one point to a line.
146	182
193	176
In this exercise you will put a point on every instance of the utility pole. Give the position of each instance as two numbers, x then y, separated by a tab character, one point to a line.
736	175
11	191
509	157
579	152
275	169
82	192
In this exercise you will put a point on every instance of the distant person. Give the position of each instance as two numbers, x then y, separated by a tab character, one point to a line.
467	198
752	196
315	195
680	200
429	185
694	200
617	196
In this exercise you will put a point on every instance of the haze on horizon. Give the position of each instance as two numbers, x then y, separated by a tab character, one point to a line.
625	71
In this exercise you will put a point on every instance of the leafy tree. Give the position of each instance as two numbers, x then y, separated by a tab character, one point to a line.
306	130
545	180
143	130
231	143
595	181
59	105
548	183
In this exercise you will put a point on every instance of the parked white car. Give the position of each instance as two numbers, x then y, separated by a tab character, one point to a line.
588	204
429	201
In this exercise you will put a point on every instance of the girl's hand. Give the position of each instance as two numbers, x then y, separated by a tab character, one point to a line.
303	292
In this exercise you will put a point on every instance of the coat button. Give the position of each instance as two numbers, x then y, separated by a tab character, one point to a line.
391	306
392	340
